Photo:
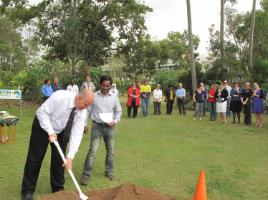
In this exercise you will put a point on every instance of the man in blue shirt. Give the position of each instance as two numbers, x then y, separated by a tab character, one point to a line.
181	94
56	85
46	90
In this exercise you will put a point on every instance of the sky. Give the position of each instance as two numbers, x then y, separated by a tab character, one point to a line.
171	15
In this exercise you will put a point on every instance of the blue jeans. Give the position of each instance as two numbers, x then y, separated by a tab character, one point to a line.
145	106
97	132
212	109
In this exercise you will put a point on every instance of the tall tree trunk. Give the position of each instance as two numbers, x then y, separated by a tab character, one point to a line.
252	27
74	45
222	32
191	49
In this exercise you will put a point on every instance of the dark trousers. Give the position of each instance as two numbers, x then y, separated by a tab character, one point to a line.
247	114
181	106
157	108
37	150
135	110
169	106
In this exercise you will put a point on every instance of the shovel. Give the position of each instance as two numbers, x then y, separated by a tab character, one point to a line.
81	194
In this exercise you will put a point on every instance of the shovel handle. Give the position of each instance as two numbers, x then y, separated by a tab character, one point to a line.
70	171
60	151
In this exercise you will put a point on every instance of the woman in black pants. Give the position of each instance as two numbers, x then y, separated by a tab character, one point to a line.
236	103
245	99
170	97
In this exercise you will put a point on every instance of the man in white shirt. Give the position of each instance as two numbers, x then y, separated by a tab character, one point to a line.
59	118
181	94
104	103
72	87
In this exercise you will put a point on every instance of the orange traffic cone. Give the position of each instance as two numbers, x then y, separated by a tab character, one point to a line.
201	192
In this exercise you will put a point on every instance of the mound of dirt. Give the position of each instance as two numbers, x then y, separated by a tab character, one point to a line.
122	192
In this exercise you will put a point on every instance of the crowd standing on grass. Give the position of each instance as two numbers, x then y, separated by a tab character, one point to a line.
226	100
222	98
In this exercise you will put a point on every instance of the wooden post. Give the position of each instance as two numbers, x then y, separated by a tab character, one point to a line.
5	133
13	133
1	139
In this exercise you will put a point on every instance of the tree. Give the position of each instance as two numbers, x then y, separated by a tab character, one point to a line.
147	55
12	57
91	30
222	27
252	27
190	35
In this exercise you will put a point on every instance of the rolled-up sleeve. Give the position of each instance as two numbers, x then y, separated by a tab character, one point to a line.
77	133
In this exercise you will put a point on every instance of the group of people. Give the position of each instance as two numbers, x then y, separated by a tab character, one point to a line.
47	89
218	98
227	101
141	95
63	117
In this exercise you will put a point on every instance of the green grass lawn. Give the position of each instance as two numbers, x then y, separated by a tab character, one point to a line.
165	153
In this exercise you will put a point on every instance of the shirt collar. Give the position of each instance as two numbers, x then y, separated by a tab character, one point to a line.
109	93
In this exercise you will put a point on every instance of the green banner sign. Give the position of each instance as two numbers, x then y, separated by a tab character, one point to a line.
10	94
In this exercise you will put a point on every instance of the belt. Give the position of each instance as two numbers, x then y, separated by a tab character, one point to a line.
100	124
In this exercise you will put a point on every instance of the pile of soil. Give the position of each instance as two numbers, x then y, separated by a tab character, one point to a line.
122	192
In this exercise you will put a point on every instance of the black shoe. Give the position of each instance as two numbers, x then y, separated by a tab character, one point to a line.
109	176
27	196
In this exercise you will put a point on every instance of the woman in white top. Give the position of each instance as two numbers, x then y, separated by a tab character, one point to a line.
88	84
157	94
114	90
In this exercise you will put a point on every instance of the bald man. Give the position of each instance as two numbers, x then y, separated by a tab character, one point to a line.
59	118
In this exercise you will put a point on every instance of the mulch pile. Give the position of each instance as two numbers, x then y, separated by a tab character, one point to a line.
122	192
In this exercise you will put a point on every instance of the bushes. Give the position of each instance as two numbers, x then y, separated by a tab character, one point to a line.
170	77
31	79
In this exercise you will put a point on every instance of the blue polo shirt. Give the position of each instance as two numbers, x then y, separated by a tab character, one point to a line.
180	92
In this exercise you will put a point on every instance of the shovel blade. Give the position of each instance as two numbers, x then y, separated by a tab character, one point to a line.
83	196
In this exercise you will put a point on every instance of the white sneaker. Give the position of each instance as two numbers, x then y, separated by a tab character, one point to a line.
194	119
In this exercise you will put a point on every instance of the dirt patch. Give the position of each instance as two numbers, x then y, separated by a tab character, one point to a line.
122	192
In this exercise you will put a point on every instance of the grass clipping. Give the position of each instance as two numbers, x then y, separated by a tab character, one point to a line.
122	192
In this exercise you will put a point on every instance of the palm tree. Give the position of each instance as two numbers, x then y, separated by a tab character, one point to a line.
191	49
252	27
222	27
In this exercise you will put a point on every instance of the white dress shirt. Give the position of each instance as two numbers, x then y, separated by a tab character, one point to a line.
73	88
157	94
53	116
